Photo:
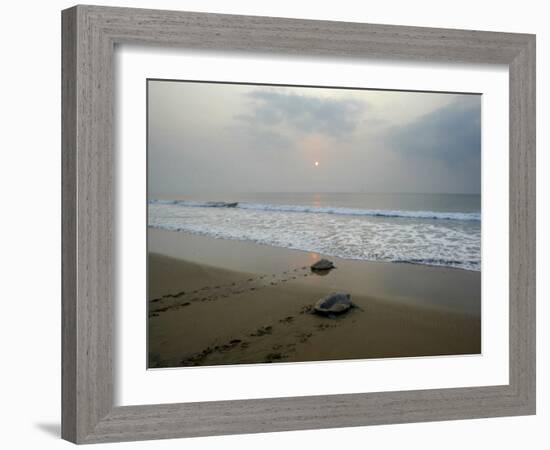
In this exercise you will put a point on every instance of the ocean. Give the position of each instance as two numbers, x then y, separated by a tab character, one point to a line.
430	229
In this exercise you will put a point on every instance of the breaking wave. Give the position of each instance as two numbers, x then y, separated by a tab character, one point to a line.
448	239
470	216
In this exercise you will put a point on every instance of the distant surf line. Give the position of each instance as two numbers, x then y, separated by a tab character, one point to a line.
407	214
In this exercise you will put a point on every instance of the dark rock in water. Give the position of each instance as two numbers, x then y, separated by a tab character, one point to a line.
221	204
322	264
333	304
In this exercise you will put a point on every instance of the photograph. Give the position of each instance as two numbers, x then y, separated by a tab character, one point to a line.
300	224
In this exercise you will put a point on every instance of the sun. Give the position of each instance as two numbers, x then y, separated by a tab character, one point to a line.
316	163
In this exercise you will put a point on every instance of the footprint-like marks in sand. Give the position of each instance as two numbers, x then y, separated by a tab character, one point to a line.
262	331
280	351
198	358
213	293
288	319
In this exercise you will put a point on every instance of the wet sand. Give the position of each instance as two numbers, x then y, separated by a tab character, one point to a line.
217	302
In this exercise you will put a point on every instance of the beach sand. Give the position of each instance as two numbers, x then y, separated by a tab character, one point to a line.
214	301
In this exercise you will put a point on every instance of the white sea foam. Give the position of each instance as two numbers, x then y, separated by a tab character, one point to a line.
392	236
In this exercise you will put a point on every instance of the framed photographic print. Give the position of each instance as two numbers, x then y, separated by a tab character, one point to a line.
345	229
278	224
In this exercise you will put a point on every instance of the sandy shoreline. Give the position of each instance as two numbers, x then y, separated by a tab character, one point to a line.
227	302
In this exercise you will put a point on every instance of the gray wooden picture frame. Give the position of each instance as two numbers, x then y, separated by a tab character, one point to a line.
89	37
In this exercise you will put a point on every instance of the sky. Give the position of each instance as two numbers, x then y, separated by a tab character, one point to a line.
210	137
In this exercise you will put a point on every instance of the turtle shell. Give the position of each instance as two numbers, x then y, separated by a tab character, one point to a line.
335	303
322	264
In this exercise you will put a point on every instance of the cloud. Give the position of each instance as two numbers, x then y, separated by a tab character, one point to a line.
259	138
303	114
241	138
451	134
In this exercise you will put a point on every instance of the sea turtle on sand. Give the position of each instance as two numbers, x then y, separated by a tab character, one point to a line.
322	265
333	304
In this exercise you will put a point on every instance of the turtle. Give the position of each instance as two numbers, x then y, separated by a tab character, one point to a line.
333	304
322	265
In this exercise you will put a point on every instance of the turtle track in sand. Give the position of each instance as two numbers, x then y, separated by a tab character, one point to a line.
279	352
183	299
